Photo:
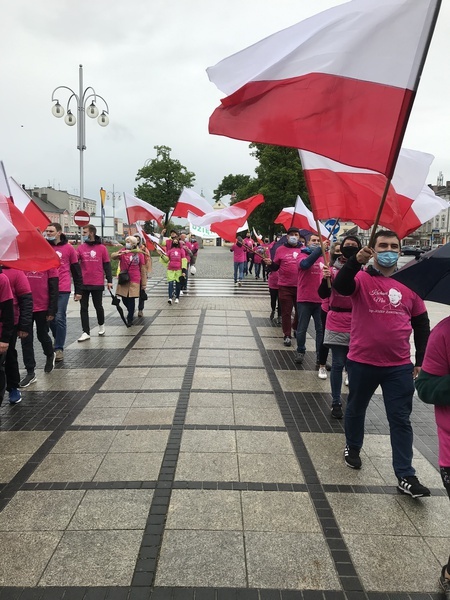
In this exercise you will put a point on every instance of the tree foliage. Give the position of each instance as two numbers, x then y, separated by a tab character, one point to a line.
230	184
279	177
163	178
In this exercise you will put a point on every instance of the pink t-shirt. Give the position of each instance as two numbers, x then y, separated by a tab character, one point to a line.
5	294
38	281
308	281
249	242
339	321
132	262
176	256
19	286
92	257
240	255
381	321
437	362
67	256
288	258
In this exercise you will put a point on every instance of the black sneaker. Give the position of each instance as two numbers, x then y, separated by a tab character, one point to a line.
411	485
445	583
272	314
287	341
336	413
28	380
351	457
50	363
299	358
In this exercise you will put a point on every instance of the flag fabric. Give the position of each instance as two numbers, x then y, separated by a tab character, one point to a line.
8	234
303	218
426	206
340	83
337	190
226	222
145	237
27	206
139	210
103	199
29	251
257	237
285	217
191	202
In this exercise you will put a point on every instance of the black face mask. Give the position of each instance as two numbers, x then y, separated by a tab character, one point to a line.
335	256
175	243
349	251
239	244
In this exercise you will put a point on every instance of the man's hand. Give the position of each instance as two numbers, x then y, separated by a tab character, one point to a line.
326	271
364	255
50	317
3	347
109	286
22	334
163	231
77	297
416	372
267	261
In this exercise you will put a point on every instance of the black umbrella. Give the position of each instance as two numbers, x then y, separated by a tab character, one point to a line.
116	302
429	275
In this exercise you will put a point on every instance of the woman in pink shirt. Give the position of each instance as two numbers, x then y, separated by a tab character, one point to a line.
239	250
131	261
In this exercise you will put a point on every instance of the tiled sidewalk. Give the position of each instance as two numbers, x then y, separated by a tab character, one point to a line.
189	457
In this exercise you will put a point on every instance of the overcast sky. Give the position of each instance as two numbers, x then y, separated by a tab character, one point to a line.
148	59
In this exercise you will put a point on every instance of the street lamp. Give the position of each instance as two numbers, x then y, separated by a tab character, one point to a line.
84	98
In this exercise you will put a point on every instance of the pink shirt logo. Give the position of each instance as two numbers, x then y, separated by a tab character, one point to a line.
93	253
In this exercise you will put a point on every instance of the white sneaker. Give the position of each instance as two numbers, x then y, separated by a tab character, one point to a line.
84	336
346	380
322	374
101	329
181	293
169	300
176	300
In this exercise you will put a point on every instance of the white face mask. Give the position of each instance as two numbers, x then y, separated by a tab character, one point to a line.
128	246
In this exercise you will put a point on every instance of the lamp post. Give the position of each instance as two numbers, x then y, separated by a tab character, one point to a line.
114	196
81	99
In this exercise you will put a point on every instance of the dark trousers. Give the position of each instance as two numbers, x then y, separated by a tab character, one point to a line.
274	302
12	363
398	389
141	303
2	377
97	299
287	297
42	329
323	350
257	270
338	362
306	310
130	304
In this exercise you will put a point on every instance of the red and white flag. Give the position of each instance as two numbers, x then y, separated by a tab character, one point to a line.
301	217
27	205
341	83
226	222
139	210
191	202
8	234
145	237
426	206
28	251
338	190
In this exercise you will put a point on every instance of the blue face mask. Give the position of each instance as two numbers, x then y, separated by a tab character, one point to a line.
387	259
85	238
293	240
51	239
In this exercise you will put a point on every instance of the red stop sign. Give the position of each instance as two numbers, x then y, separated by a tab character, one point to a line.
81	218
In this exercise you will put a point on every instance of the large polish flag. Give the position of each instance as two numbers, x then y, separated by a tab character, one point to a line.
26	205
349	193
340	83
28	251
425	207
191	202
8	234
226	222
139	210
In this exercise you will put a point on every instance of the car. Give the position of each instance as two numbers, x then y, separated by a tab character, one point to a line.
426	248
411	251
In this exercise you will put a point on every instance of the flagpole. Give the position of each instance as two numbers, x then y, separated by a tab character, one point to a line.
380	210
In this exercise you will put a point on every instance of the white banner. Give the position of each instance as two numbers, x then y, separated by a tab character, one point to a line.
203	232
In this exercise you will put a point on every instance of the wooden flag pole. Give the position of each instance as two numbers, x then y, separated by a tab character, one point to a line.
380	210
322	246
333	228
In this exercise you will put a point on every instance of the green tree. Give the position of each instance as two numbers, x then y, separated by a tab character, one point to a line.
230	184
163	178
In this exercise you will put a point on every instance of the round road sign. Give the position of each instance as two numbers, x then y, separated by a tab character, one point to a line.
81	218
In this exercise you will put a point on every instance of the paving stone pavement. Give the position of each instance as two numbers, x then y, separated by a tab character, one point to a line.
189	457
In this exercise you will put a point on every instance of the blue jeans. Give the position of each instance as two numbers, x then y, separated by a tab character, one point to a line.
257	269
306	310
239	268
58	326
177	289
338	360
398	389
130	304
